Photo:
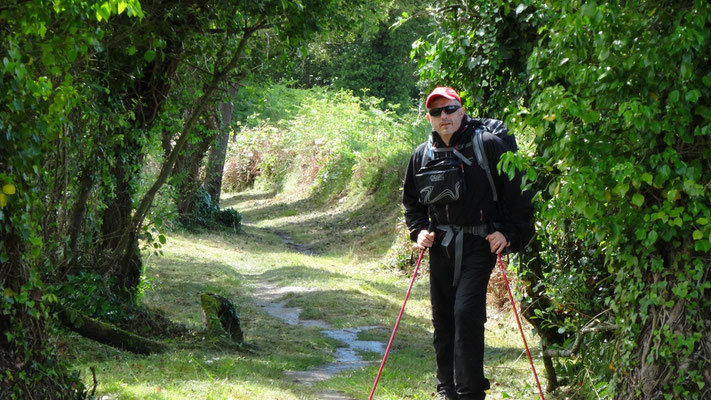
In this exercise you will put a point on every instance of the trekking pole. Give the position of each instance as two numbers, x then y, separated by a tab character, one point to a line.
518	321
397	323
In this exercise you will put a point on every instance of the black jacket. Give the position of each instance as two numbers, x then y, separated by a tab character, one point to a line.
513	213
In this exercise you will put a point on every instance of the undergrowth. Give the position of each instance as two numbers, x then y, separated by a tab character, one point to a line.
327	143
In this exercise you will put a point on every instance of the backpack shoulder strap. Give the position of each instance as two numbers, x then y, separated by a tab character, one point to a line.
434	153
427	156
482	160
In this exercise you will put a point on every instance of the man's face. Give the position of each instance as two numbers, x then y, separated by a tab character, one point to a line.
445	124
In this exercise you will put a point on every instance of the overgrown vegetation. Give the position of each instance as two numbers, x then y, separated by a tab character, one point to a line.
618	97
109	110
325	143
89	91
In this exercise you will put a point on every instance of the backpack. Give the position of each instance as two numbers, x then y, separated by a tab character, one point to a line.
498	128
493	126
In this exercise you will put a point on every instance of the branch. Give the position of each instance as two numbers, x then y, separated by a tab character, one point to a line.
198	68
167	168
578	340
453	7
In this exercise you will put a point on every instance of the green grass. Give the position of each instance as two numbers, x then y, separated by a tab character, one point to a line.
347	288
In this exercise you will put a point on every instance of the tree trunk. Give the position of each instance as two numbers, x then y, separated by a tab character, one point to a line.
218	151
127	267
187	167
129	234
108	334
536	299
651	374
76	219
122	259
27	351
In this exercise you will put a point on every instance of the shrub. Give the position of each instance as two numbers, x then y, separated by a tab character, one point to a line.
229	217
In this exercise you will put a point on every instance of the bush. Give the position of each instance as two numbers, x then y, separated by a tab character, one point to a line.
207	213
229	217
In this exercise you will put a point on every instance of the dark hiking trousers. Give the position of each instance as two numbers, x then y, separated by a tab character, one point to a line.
458	317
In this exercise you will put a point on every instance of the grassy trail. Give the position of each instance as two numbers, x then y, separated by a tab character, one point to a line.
343	286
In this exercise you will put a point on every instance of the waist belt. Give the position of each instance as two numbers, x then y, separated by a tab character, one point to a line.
459	231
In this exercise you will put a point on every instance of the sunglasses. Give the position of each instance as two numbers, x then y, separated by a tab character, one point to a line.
436	112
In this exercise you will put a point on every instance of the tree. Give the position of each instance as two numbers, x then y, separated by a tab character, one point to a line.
37	95
82	104
617	98
218	150
236	23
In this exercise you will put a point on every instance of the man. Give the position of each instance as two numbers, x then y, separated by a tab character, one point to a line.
464	228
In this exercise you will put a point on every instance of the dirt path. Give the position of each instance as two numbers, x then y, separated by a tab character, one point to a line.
347	357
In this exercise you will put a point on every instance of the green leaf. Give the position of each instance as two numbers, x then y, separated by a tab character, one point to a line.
707	79
72	54
697	235
647	178
103	12
621	189
131	50
122	6
638	199
531	174
652	237
588	10
149	55
693	96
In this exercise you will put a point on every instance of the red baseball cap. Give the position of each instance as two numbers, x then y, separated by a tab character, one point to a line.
442	91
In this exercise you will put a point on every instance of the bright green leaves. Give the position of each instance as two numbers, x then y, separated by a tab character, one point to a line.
41	48
621	189
8	189
103	11
702	234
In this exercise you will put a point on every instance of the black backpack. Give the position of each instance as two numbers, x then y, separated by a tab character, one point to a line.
493	126
498	128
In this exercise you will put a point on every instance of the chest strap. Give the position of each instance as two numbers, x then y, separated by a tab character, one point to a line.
457	232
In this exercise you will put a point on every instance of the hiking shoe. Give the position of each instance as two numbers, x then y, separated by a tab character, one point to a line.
445	396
